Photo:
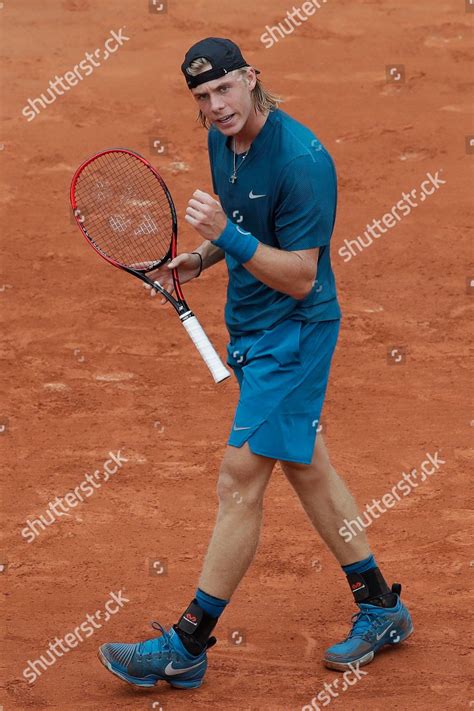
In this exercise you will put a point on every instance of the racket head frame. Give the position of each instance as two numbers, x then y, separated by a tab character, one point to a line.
179	303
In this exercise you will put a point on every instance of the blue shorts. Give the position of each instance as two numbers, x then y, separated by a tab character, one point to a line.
283	375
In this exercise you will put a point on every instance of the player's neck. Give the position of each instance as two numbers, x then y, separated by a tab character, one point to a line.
253	126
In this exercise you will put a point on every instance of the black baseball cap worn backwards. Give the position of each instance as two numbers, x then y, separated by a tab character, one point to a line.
223	54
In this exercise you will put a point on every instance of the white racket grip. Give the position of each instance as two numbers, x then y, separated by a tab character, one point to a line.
205	347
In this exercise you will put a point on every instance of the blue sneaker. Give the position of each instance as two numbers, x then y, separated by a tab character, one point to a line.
373	627
159	659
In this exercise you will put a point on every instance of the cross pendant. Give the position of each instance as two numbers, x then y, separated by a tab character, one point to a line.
232	179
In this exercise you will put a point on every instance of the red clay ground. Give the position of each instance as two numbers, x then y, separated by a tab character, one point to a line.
91	364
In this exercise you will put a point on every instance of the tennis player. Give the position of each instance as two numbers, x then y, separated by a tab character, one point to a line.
276	185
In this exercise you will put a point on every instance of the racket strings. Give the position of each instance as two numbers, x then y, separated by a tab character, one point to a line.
125	210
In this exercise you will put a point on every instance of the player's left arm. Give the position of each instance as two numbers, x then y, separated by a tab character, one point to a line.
292	273
304	219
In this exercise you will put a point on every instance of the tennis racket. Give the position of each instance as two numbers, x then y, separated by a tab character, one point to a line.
125	211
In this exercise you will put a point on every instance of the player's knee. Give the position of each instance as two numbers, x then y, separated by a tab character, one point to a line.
240	488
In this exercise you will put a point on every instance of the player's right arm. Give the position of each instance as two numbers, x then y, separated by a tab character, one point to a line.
188	265
210	254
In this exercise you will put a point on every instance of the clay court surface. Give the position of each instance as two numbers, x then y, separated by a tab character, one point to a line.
92	365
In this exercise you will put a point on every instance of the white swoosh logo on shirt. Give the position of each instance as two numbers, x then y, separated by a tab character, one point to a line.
241	428
254	197
171	671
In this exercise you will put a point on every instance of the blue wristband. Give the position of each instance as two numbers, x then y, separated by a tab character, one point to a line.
240	246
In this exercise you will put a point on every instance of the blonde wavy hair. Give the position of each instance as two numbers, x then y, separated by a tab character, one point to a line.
263	100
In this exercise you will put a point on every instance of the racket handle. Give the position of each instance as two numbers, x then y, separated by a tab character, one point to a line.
204	346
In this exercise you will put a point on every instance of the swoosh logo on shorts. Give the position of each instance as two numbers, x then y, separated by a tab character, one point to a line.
379	636
254	197
171	671
241	428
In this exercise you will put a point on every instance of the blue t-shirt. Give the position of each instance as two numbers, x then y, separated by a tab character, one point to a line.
285	195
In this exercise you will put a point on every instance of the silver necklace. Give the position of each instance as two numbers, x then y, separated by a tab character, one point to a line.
233	177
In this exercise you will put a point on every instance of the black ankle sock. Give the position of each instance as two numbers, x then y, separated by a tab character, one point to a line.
370	587
194	627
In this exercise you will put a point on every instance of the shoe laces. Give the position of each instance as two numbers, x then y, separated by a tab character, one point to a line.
363	623
156	645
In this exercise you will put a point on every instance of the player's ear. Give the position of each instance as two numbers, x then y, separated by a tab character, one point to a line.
251	78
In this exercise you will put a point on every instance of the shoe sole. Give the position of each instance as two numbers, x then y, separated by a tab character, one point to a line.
135	681
366	658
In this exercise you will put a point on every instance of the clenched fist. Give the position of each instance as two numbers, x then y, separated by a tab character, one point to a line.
206	215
